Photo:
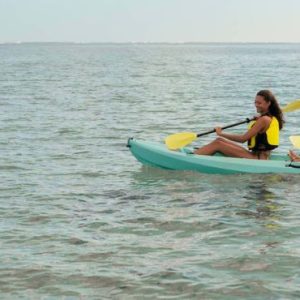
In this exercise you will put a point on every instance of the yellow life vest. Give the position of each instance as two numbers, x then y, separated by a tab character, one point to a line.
268	140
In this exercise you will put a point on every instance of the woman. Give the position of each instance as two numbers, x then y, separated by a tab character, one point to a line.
262	134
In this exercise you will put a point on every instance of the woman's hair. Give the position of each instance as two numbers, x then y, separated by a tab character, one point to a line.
274	108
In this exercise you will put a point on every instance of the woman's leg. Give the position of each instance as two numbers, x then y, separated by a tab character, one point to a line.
226	147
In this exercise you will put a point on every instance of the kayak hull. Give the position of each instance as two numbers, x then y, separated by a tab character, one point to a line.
157	155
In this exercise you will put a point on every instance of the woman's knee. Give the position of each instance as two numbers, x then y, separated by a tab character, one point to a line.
220	140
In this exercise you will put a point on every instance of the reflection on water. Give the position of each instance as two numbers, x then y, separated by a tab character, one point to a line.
236	223
263	202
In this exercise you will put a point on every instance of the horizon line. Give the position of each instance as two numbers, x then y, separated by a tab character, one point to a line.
144	42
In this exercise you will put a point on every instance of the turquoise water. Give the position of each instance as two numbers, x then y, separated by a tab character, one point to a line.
82	219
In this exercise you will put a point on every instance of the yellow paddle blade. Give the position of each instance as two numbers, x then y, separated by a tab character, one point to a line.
291	106
179	140
295	140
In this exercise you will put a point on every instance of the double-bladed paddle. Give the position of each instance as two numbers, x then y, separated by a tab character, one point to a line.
179	140
295	140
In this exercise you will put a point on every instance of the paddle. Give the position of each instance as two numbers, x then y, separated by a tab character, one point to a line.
295	140
291	106
179	140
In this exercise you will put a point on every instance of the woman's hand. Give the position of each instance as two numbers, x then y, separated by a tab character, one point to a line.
218	131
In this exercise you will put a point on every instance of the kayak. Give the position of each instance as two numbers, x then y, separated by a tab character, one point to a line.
158	155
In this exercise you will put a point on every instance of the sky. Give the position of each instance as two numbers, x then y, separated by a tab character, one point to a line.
149	21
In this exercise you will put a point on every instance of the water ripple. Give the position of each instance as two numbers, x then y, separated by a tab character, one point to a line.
82	219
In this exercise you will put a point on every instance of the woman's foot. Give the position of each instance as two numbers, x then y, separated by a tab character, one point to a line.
293	156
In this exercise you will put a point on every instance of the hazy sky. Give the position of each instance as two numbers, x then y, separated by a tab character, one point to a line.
150	20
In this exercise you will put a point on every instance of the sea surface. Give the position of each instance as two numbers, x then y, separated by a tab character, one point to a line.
80	218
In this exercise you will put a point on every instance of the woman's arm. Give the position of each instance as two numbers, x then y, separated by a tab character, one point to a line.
261	125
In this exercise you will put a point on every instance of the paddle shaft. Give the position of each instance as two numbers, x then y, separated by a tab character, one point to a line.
225	127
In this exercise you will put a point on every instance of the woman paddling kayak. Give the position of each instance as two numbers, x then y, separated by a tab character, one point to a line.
262	134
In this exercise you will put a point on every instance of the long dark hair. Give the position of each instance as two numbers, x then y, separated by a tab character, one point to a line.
274	108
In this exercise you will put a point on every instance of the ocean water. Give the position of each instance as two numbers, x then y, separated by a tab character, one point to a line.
80	218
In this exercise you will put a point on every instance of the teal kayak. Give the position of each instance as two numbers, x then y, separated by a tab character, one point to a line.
158	155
